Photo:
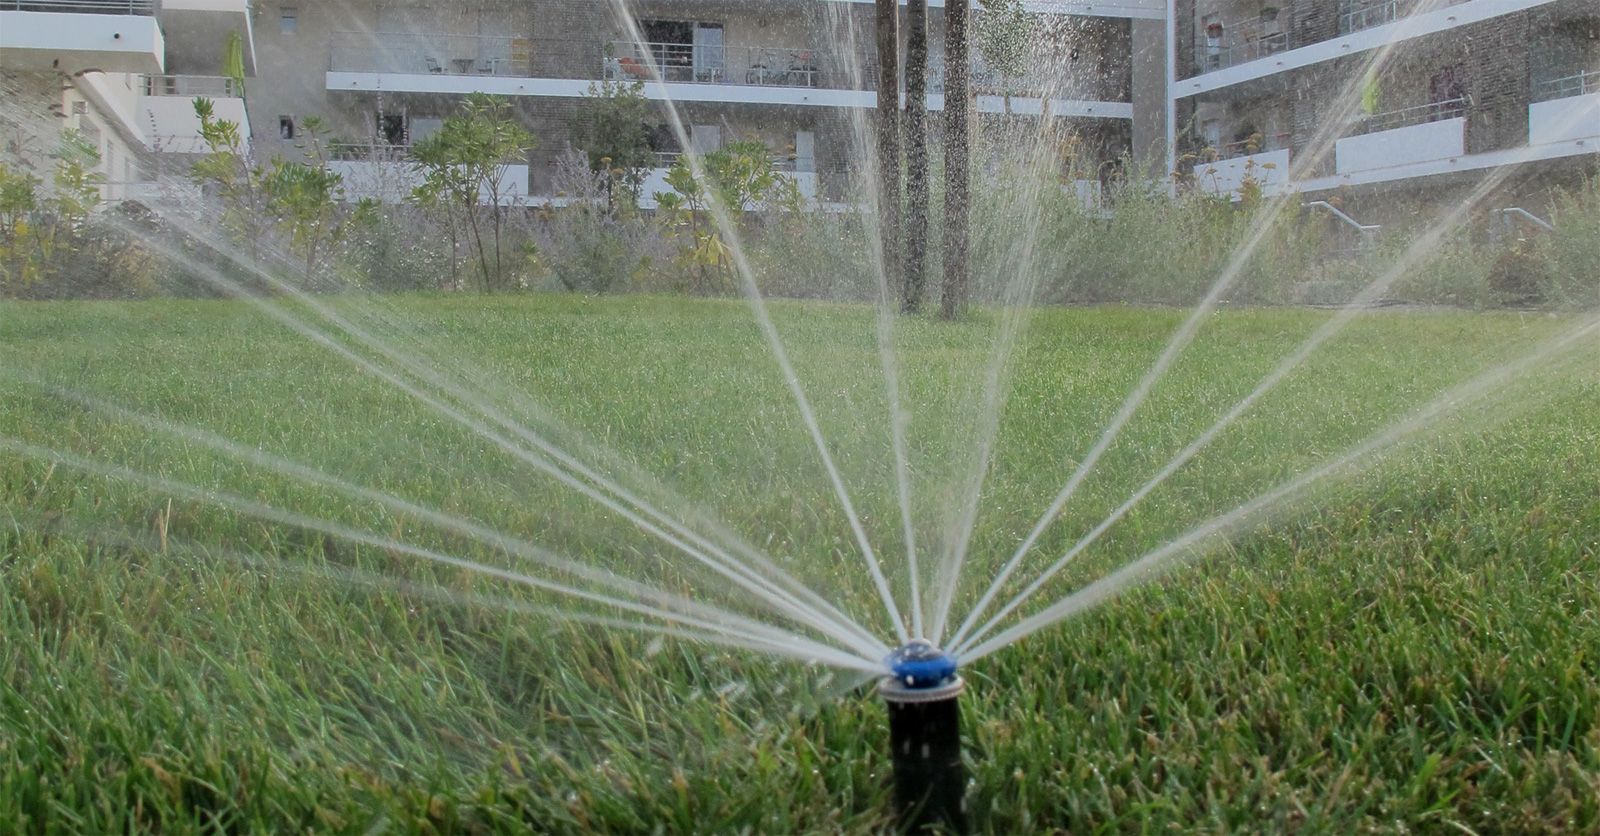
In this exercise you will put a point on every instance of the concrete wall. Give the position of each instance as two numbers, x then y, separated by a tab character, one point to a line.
40	107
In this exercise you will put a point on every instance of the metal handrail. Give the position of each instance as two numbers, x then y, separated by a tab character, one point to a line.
1242	41
193	85
1247	147
623	60
763	66
1507	213
1580	83
1415	115
1368	16
93	7
367	152
1364	229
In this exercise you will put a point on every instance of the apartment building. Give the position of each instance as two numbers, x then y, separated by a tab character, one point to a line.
789	73
1469	87
1217	90
122	74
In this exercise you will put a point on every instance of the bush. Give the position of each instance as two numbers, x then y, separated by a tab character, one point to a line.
590	244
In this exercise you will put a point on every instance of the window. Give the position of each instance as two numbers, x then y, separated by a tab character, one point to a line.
288	19
391	129
286	127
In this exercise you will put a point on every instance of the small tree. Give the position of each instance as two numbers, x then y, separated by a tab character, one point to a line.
38	230
1007	33
464	165
739	178
233	175
308	199
616	138
302	199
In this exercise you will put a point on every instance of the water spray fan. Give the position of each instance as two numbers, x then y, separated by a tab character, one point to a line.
925	736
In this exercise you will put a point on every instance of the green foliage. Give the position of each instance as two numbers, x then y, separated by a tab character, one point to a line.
593	244
463	167
615	134
304	201
735	180
58	242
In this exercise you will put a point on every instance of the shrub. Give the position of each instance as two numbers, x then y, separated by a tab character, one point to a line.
593	244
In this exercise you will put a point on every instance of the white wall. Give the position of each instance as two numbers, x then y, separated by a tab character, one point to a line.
1270	169
175	129
1439	140
1559	120
72	43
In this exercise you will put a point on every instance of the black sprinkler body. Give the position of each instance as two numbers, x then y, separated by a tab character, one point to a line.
930	782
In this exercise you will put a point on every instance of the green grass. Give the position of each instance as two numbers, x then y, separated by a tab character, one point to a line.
1413	648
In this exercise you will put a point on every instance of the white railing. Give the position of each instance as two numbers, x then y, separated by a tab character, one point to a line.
368	152
1415	115
1368	15
189	86
1257	144
93	7
1578	84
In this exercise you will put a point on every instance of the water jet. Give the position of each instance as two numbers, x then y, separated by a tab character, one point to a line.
925	737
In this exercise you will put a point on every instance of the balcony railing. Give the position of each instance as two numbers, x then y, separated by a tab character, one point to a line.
705	64
441	54
802	67
189	86
1416	115
1580	83
1367	15
1245	147
143	8
1228	44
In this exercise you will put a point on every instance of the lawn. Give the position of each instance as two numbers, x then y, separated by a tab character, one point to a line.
1415	646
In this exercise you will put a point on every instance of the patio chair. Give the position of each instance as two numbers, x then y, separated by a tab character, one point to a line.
433	65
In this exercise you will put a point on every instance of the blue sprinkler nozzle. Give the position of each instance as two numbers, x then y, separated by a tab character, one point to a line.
920	665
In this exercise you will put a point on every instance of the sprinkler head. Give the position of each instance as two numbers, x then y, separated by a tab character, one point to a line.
918	665
930	781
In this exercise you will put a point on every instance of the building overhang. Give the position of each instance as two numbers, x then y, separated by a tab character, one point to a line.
1138	9
73	43
1354	43
454	85
199	30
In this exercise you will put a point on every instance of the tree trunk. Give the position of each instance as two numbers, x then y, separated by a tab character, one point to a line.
888	26
916	154
957	138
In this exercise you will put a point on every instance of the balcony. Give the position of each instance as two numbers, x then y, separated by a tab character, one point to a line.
1365	15
166	105
1225	45
198	31
656	181
386	173
1266	162
758	66
512	66
75	36
1420	134
1565	109
1229	54
1580	83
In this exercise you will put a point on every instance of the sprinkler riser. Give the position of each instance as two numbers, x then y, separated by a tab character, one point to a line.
930	781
